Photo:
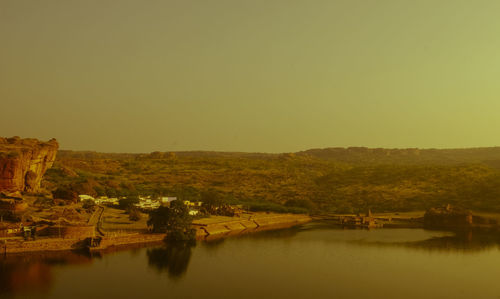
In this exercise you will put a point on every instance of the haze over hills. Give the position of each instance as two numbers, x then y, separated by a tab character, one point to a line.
323	180
342	180
408	155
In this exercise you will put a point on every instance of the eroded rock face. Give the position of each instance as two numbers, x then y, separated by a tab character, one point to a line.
23	162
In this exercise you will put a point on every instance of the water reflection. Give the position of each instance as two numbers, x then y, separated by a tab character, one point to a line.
33	272
172	258
34	275
213	245
462	241
15	278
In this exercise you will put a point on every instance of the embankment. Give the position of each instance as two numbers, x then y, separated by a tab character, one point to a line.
206	229
128	239
46	244
57	244
220	227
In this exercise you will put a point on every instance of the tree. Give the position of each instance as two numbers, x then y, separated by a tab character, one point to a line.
100	190
175	221
88	204
211	201
173	258
111	192
65	192
300	203
134	214
128	202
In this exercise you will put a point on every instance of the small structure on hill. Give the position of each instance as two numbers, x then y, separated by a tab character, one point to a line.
10	229
193	212
146	203
107	200
166	200
100	200
83	197
367	221
193	203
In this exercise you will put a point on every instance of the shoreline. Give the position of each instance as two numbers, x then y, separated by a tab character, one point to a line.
207	229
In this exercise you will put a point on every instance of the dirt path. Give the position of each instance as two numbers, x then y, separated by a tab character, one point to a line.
95	219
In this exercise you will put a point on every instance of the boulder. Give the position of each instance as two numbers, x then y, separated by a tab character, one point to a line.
23	162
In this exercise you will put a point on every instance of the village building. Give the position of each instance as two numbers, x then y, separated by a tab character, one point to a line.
10	230
147	203
166	200
193	212
367	221
193	203
85	197
106	200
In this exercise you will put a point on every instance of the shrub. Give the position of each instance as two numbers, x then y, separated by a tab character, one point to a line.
128	202
175	221
88	204
134	214
65	192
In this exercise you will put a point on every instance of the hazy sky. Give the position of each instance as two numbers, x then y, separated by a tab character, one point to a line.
255	75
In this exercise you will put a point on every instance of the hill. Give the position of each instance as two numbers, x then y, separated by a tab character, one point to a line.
324	180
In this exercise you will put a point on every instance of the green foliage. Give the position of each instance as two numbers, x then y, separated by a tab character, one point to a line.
134	214
211	201
175	221
405	188
65	192
127	202
343	180
100	190
303	204
88	204
265	206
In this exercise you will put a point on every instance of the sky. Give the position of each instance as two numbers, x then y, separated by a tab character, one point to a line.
253	76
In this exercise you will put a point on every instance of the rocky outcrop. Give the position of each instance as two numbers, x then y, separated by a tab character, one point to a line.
23	162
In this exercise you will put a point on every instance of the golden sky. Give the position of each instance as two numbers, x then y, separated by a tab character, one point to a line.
255	75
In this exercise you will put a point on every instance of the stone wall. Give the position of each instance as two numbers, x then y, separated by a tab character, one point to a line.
39	245
69	232
252	223
127	239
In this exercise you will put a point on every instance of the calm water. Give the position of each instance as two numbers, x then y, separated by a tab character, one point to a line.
312	261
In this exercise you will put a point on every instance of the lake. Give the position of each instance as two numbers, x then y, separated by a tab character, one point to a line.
315	260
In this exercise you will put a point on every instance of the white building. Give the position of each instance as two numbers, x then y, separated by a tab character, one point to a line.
167	199
85	197
106	200
148	204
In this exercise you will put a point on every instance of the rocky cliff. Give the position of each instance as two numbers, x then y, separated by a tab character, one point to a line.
23	162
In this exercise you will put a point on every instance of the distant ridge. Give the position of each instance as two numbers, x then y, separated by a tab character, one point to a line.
488	155
362	155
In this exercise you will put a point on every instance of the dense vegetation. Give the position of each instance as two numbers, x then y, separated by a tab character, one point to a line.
328	180
174	220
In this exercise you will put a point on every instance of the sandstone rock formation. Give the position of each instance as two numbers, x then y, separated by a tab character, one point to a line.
23	162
